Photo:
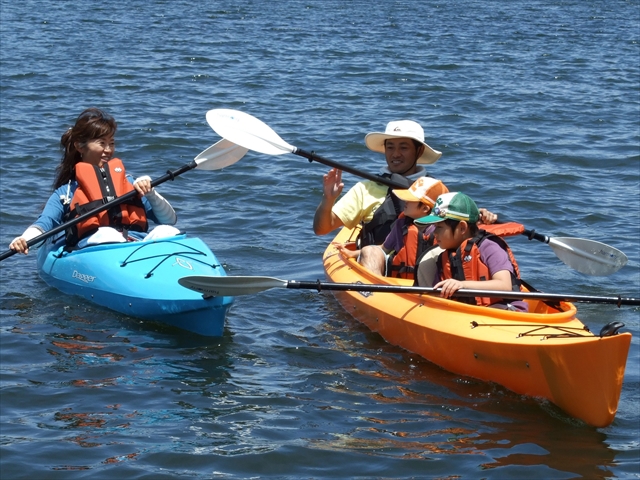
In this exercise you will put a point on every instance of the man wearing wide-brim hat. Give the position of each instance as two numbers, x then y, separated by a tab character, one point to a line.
405	151
403	129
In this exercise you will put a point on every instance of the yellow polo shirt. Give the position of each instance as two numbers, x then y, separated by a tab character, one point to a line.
363	199
360	203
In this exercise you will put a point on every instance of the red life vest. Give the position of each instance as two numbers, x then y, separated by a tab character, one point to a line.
507	229
97	186
464	264
402	264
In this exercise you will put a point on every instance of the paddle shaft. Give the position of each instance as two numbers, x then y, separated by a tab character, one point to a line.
248	285
585	256
530	234
319	286
312	157
533	235
170	175
251	133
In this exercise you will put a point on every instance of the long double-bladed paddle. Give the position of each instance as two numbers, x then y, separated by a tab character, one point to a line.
585	256
217	156
239	285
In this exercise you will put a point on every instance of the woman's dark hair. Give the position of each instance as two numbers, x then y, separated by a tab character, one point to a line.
91	124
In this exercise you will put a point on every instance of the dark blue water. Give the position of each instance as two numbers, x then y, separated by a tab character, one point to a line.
536	106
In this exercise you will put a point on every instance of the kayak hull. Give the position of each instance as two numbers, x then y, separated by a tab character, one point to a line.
140	279
547	353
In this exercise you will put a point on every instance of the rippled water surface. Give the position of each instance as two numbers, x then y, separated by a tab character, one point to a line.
536	108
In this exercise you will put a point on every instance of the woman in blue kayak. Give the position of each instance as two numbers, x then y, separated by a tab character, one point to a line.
89	176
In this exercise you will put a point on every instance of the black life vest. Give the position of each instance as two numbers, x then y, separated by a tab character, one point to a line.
97	186
375	231
465	264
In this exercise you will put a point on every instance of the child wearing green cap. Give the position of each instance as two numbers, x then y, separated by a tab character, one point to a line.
472	258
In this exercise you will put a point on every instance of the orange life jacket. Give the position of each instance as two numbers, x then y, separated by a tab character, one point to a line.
97	186
464	264
402	264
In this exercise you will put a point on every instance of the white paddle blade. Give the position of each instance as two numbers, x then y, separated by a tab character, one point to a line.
230	286
246	130
588	256
220	155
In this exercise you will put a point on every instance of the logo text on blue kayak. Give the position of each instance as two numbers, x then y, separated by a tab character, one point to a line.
83	277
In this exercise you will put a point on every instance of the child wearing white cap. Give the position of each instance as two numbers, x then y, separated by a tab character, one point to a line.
398	254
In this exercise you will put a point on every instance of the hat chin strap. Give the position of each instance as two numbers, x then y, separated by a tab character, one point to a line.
415	162
419	153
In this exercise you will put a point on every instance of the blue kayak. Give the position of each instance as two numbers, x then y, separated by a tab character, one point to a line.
140	279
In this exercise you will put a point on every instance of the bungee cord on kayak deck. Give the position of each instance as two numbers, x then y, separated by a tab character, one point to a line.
166	256
568	332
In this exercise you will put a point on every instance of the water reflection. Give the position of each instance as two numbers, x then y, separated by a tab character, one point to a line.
405	406
101	387
115	390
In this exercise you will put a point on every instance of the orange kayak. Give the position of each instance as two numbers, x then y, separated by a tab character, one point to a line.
546	353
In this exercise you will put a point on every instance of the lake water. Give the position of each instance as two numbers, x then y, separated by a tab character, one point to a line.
536	108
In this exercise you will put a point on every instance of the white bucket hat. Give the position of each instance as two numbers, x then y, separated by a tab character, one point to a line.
402	129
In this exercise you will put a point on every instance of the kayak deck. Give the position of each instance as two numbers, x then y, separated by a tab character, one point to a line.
547	353
140	279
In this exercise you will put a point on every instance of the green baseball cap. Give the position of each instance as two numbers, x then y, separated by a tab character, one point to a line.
452	205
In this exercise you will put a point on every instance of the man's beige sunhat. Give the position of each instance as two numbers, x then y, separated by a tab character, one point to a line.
402	129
